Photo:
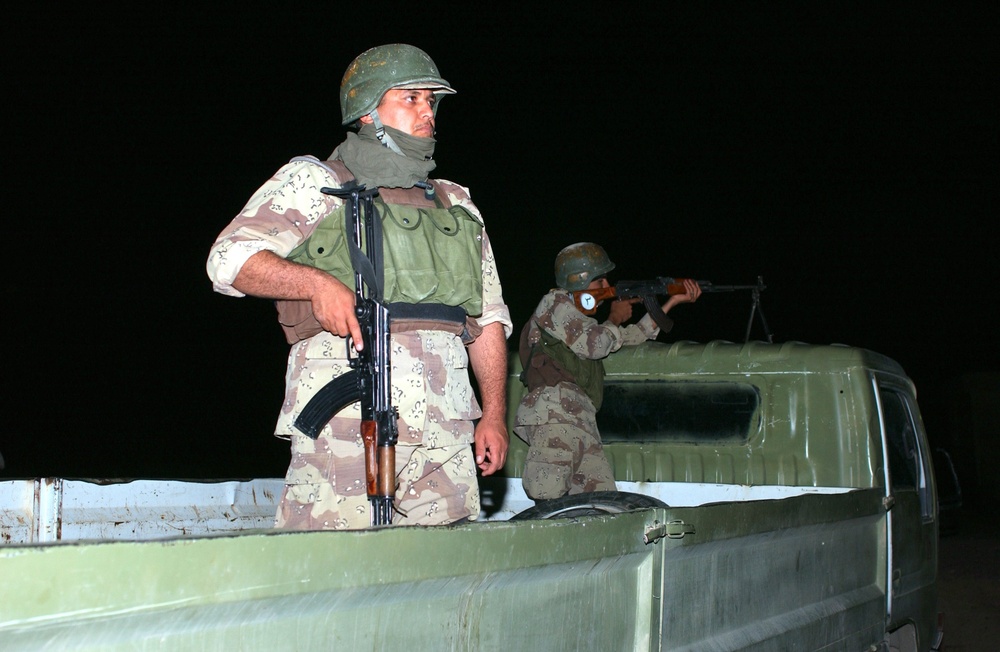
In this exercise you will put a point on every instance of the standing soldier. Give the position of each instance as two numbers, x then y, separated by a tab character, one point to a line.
288	244
561	351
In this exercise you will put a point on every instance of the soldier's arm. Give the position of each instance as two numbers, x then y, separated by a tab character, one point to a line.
584	335
267	275
647	328
488	356
691	293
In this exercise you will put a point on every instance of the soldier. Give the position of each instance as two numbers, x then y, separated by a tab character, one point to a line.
561	351
288	244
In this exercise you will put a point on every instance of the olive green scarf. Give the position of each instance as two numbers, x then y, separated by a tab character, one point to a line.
374	164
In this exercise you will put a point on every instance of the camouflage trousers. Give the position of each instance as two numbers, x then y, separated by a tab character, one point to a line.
563	459
325	485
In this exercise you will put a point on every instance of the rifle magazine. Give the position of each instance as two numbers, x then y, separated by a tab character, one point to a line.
328	401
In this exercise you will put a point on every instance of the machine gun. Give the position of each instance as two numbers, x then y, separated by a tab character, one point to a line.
368	380
587	301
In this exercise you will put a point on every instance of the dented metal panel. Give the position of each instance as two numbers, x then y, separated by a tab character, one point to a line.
795	573
535	585
803	573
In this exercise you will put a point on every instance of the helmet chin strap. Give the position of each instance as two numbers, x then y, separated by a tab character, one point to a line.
381	134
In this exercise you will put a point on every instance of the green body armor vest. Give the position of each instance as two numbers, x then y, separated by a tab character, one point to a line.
432	251
550	362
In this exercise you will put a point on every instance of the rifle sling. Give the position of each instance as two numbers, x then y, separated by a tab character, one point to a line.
369	268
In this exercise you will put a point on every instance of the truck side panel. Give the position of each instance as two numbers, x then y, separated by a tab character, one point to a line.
759	575
805	573
527	585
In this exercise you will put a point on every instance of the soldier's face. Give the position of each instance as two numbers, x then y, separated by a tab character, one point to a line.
598	283
408	110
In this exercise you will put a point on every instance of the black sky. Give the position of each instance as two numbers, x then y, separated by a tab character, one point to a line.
848	154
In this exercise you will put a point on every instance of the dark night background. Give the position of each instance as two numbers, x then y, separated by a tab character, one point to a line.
847	154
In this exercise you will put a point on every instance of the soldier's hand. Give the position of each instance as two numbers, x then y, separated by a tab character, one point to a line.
691	293
333	305
621	311
490	447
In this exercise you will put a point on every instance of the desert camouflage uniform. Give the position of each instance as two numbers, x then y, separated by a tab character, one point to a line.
324	485
559	423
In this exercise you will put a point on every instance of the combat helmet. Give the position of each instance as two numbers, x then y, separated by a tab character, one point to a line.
375	71
579	264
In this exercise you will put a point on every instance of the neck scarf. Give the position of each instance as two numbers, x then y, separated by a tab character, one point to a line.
376	165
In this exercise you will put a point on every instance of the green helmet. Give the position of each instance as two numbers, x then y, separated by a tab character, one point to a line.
377	70
579	264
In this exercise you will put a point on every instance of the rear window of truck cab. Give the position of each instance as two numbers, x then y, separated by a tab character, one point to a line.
678	412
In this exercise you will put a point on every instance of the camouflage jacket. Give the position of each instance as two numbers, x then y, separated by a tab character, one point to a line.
586	337
430	369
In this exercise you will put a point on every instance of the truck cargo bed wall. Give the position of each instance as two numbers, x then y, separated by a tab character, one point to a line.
804	573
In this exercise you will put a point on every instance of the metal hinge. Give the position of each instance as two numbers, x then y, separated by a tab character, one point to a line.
669	530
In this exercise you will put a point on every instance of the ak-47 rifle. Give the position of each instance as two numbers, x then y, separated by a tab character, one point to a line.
368	380
587	300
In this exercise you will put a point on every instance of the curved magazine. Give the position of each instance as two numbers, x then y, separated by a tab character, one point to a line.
331	399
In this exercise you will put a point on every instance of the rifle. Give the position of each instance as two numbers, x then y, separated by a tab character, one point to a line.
586	301
368	381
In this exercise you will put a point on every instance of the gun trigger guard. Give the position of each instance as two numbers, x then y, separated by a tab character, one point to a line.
352	353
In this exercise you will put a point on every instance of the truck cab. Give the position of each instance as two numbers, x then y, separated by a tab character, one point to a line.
694	424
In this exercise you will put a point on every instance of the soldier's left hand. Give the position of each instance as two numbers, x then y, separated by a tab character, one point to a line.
490	446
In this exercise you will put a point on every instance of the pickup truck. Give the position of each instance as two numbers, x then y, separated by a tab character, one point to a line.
771	497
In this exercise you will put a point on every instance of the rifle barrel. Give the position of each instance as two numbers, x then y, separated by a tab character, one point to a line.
707	286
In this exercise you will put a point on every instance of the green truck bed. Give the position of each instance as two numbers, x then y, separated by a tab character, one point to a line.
797	514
